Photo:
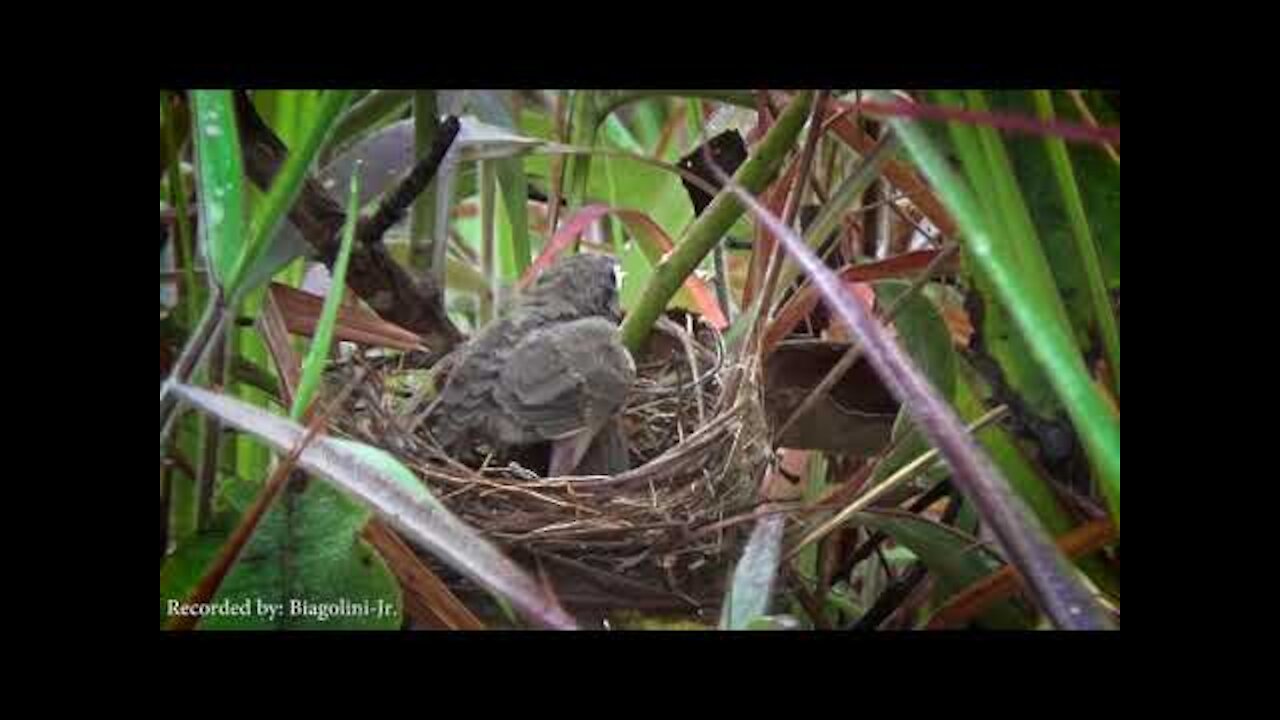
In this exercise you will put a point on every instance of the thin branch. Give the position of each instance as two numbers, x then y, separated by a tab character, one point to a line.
396	202
416	305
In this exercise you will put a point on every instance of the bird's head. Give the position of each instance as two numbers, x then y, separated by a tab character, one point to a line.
588	282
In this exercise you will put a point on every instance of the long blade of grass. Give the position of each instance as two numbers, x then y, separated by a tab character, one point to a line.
1053	348
1085	245
318	356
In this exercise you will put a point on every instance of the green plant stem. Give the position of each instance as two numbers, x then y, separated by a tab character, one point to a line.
582	133
183	246
707	230
488	213
422	220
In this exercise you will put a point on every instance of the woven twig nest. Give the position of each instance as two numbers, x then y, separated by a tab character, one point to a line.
659	537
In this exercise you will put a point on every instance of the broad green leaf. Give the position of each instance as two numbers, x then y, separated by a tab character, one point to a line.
221	176
184	568
306	568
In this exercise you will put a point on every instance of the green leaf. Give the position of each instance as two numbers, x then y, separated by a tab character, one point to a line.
186	565
513	186
322	340
306	568
1095	306
998	338
218	167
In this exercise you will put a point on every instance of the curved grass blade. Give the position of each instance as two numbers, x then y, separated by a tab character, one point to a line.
380	482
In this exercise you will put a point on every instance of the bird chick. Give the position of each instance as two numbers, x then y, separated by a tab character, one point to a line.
553	369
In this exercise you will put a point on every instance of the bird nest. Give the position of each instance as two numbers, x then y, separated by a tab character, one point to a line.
659	537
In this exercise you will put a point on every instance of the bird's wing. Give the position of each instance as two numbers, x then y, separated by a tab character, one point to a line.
566	377
540	388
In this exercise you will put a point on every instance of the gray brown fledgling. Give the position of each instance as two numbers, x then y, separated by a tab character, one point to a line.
553	369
